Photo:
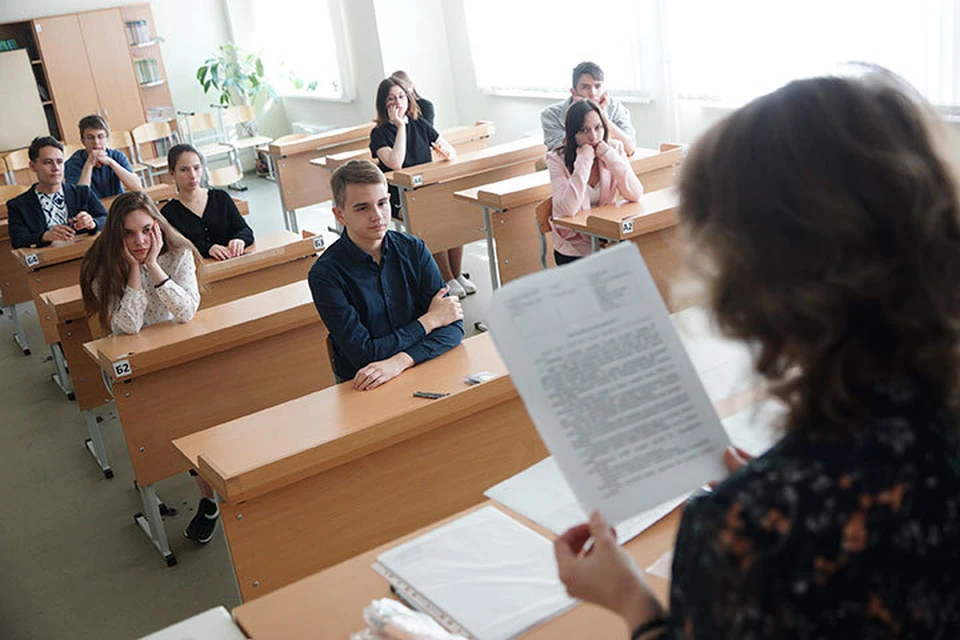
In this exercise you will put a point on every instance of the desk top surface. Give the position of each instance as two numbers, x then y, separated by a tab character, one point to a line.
249	453
333	599
492	157
274	248
656	210
35	258
219	328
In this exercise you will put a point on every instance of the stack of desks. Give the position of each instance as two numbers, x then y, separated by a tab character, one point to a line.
231	360
274	260
315	481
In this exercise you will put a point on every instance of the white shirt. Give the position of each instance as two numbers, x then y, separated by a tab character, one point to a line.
178	299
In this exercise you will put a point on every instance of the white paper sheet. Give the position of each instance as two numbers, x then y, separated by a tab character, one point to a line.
607	382
541	494
491	575
212	624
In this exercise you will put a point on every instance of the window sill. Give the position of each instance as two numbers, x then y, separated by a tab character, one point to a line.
554	96
307	96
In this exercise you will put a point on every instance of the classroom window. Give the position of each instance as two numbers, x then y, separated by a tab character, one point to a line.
735	50
303	48
521	47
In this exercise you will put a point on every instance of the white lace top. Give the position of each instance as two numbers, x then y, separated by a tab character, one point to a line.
178	298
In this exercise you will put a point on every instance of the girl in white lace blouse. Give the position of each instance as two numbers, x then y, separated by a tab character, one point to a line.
139	272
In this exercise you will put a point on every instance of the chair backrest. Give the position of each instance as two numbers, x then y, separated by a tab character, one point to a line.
70	149
200	122
152	132
224	176
241	113
544	211
121	140
7	179
17	160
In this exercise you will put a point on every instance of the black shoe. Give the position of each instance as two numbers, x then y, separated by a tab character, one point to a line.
201	527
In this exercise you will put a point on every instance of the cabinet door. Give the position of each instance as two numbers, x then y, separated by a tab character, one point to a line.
68	72
112	67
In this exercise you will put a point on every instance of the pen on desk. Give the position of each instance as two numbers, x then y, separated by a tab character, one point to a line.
429	395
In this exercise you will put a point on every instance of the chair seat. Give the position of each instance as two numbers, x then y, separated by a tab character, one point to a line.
155	163
255	141
215	149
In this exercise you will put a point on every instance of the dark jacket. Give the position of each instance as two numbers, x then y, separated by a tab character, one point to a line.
27	223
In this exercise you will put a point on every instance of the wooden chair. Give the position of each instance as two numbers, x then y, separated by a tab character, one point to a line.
204	133
240	128
544	211
18	161
225	176
162	135
70	149
123	141
7	178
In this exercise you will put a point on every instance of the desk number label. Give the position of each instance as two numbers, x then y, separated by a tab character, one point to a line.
627	226
32	259
418	180
121	368
317	243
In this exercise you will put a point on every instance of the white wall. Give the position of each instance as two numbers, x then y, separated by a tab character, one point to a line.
413	37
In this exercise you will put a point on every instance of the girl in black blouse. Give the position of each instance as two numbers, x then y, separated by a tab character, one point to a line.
427	110
207	217
402	138
824	222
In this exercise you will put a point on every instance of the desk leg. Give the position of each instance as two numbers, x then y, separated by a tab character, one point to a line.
491	249
152	524
404	224
289	216
94	443
18	334
594	244
61	377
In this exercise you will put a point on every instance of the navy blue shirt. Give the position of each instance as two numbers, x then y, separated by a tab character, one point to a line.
103	180
372	310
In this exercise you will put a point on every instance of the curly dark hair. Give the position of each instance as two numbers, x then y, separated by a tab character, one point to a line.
824	221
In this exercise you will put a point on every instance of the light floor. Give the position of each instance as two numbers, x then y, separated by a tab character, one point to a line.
72	562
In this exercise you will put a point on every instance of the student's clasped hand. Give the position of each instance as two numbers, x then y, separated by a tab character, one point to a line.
586	151
58	233
443	310
83	220
396	115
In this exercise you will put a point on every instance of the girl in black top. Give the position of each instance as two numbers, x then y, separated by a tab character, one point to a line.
403	139
207	217
824	222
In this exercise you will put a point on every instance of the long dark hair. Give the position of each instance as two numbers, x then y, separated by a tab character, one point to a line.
825	223
104	271
576	114
383	91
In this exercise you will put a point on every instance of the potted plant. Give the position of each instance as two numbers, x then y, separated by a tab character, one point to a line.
237	76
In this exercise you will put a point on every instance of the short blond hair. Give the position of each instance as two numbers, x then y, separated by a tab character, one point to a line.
354	172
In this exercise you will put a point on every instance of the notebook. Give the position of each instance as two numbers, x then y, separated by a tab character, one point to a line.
484	576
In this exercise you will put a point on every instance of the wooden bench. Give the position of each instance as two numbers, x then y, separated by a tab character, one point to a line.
272	261
231	360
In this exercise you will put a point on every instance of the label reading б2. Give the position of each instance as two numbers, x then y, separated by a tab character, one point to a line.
317	243
418	180
627	226
121	368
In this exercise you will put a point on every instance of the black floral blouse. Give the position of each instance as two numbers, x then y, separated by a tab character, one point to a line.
857	537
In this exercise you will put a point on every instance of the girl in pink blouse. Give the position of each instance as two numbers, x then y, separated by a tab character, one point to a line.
139	272
587	171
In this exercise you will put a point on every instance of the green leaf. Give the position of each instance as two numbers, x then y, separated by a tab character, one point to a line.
259	66
312	86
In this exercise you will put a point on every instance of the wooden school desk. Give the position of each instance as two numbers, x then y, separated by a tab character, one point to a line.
159	193
45	269
316	480
426	191
465	139
296	179
272	261
509	211
650	223
330	603
13	286
231	360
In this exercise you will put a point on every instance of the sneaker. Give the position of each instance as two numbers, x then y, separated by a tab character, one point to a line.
456	289
468	286
201	527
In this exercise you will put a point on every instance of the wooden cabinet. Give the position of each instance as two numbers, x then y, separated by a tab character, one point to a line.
83	63
112	68
64	55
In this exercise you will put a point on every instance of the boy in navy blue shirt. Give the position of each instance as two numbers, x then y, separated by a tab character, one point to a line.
379	292
106	171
